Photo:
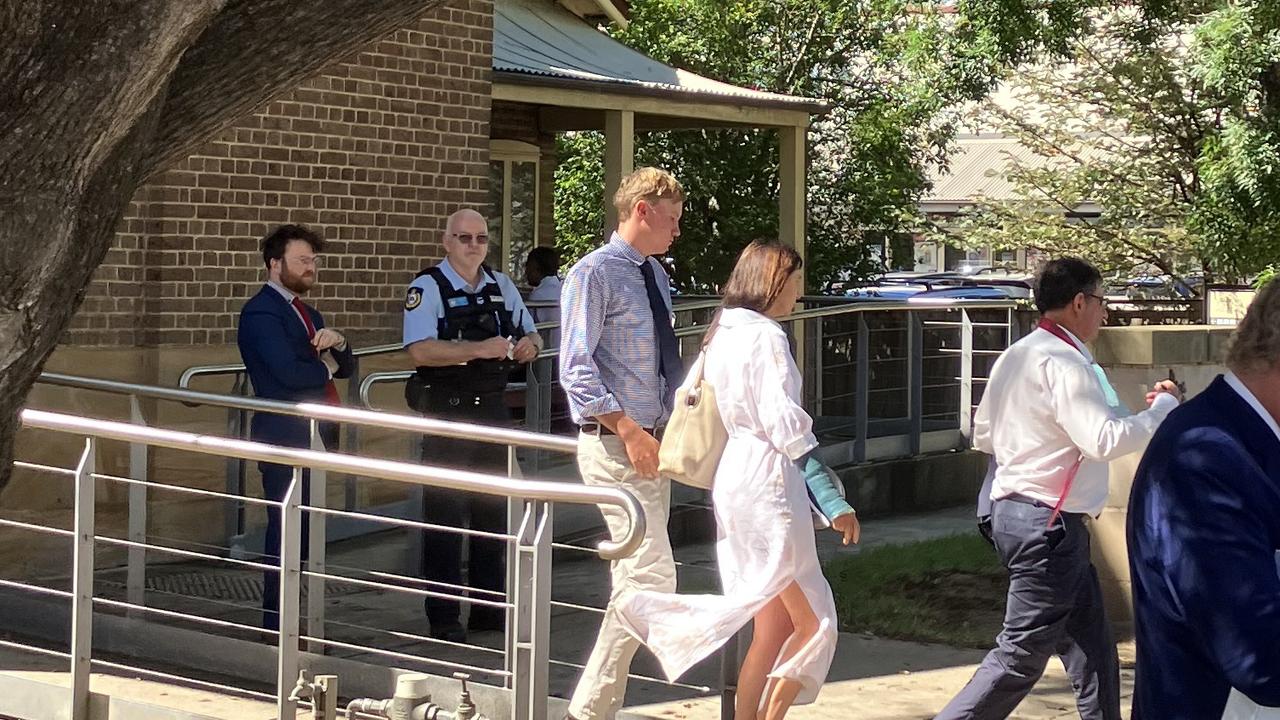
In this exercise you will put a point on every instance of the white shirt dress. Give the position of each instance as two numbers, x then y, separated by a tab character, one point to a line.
764	526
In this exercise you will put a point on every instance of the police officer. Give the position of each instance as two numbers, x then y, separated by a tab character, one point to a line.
466	329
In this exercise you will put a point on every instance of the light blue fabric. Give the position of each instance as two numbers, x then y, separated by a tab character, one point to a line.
822	489
608	349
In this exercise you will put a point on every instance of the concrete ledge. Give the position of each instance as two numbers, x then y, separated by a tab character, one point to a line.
1152	345
919	484
32	699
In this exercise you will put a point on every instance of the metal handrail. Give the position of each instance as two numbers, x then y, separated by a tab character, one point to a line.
324	412
384	469
850	307
184	380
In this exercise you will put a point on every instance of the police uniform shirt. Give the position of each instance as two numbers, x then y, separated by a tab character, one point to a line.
423	307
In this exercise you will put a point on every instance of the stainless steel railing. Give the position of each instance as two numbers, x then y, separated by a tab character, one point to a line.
527	653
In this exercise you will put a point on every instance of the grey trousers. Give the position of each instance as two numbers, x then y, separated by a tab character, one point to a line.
1054	607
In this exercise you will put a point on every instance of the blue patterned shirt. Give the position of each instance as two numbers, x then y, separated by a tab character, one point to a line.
608	348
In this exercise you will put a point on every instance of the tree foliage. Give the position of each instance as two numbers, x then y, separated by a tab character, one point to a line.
95	97
895	74
1167	119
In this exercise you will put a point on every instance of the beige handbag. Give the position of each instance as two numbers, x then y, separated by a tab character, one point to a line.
695	436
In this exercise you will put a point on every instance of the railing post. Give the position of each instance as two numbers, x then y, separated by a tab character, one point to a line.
730	665
351	437
290	587
915	379
516	514
82	583
531	632
966	374
815	365
862	390
237	427
318	497
136	577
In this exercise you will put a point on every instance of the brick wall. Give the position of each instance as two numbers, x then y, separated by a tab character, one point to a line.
375	153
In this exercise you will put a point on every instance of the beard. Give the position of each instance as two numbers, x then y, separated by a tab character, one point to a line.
297	283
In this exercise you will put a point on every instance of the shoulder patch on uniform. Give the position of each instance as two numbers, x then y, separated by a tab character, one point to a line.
413	299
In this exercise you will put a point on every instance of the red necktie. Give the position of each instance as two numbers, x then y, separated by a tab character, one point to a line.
330	390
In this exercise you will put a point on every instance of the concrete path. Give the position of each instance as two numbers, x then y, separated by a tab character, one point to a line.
872	678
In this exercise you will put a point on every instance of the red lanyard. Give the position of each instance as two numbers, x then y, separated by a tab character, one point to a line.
1056	330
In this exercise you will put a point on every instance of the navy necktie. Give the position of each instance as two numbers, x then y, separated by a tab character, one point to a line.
668	349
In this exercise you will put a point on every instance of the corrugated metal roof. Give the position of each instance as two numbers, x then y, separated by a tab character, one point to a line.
539	38
977	168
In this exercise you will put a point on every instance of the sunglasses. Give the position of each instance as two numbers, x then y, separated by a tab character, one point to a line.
472	238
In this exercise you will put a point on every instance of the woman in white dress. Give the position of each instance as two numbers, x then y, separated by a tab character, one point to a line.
768	561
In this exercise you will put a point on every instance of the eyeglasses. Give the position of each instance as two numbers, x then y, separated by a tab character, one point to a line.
1101	300
305	260
472	238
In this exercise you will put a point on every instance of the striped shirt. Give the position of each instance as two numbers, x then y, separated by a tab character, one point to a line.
608	348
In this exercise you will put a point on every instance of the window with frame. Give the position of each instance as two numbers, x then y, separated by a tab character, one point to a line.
513	194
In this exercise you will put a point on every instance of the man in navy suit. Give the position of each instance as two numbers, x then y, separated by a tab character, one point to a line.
1203	531
291	357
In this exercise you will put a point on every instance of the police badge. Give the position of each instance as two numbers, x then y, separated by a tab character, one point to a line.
413	299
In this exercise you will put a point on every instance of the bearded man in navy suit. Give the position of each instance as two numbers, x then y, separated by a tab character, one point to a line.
291	357
1203	531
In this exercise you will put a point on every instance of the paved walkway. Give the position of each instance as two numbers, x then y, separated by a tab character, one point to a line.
872	678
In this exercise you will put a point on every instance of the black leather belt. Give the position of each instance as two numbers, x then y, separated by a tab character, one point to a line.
592	428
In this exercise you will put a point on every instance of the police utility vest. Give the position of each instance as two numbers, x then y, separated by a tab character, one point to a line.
473	317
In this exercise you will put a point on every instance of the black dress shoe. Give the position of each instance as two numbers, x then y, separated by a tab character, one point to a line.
449	631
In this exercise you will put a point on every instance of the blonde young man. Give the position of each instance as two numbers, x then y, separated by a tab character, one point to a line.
619	365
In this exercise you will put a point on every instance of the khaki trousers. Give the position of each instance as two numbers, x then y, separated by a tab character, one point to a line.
603	462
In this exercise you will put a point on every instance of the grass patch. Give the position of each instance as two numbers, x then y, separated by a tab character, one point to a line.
948	590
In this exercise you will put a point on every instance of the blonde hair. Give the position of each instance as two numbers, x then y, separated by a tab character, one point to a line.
649	184
1255	346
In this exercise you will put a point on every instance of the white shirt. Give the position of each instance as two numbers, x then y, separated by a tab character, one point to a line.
547	291
1044	407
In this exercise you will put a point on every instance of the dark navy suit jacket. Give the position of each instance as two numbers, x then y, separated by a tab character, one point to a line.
1203	530
282	364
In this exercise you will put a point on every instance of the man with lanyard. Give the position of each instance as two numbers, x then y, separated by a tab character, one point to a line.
620	366
1053	423
465	327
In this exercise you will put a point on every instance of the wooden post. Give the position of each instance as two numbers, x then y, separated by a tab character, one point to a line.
619	158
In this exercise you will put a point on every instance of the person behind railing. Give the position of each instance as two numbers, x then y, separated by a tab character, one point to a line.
1053	423
289	355
465	328
768	558
1203	534
541	271
620	366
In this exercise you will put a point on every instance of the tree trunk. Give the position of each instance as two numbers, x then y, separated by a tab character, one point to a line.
96	95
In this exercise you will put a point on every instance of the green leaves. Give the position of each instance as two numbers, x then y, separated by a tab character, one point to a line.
1164	121
893	73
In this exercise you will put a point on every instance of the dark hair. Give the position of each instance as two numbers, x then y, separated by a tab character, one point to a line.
545	259
1061	280
760	275
274	244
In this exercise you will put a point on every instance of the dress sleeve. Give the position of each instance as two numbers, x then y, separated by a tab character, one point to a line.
777	385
